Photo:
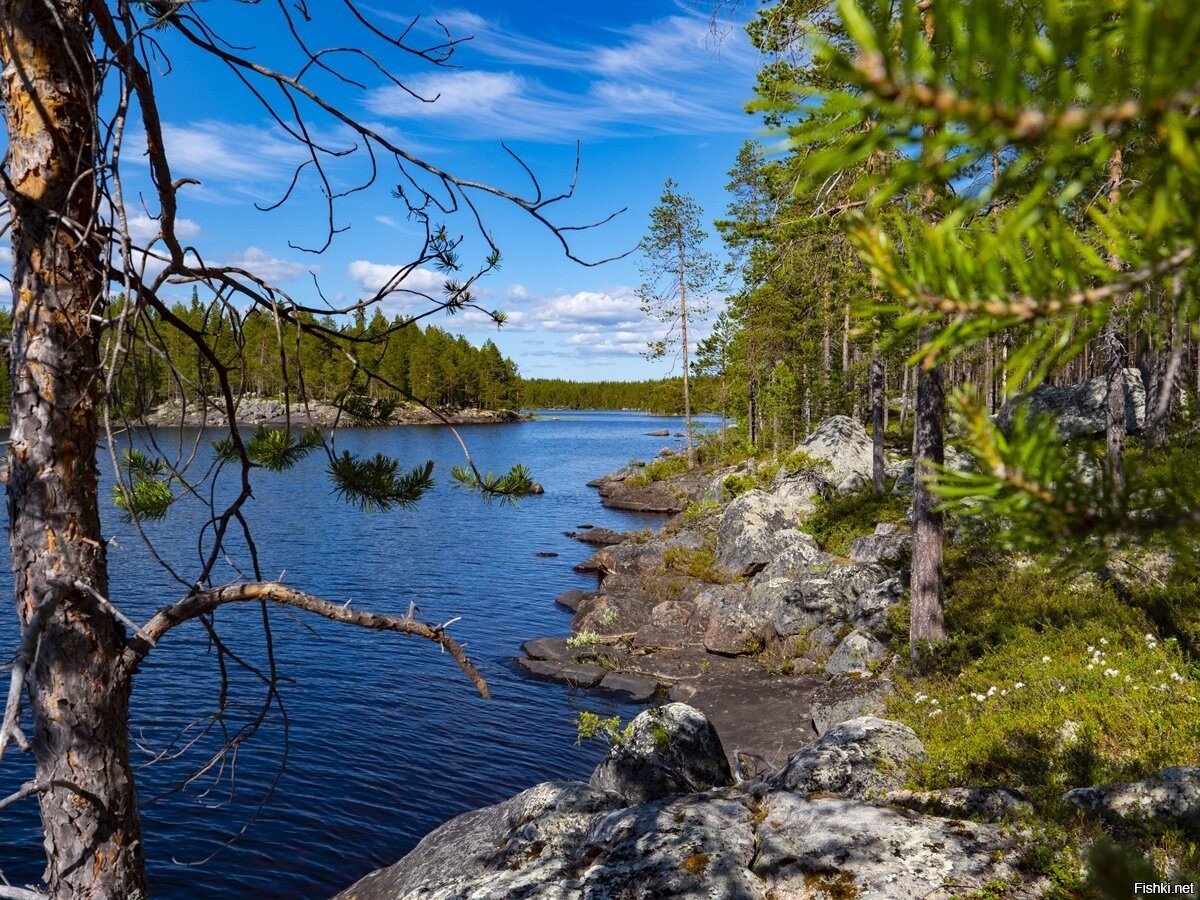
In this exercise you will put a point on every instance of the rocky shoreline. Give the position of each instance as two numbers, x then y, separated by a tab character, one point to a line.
766	768
316	414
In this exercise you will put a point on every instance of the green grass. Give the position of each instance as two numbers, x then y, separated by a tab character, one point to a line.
696	563
840	519
1051	682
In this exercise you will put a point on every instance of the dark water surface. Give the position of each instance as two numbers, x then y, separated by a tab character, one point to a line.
385	739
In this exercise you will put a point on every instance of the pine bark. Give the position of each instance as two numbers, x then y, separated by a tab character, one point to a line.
927	624
1114	363
878	399
926	621
78	689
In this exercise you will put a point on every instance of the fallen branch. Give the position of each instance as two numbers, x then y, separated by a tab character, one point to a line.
202	603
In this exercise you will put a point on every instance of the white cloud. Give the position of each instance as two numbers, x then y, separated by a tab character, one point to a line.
373	277
592	311
223	150
270	268
143	228
451	93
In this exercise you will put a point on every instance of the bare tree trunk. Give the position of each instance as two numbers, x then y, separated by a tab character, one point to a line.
877	426
927	623
846	383
683	328
1114	361
78	688
904	399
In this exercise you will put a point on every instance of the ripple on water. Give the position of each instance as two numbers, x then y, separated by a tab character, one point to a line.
386	739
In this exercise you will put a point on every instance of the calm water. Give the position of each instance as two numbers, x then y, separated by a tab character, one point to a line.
385	739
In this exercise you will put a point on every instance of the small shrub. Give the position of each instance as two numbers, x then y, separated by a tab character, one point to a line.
840	519
800	463
589	726
583	640
699	563
737	484
698	512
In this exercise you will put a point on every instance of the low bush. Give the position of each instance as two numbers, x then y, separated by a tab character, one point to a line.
840	519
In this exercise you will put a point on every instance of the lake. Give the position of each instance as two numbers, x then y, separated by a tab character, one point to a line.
385	737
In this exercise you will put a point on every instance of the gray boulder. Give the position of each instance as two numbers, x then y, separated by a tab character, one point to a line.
826	595
568	842
861	758
855	654
1080	409
1171	794
754	529
844	445
513	849
845	697
887	545
829	847
872	606
670	749
989	804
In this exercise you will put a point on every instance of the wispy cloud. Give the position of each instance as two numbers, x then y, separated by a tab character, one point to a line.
661	77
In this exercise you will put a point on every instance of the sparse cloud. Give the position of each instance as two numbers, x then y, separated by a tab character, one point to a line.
268	267
372	277
144	228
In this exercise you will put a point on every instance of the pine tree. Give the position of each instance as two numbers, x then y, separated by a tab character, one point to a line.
678	272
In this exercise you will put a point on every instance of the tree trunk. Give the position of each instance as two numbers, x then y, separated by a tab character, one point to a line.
683	329
1114	362
78	690
927	623
877	426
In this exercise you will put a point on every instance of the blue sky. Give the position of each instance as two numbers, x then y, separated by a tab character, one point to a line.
644	86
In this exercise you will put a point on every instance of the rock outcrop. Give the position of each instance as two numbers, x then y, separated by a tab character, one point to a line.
861	758
845	448
1080	409
671	749
1171	794
570	841
755	529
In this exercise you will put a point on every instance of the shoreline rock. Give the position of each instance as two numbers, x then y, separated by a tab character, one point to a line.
317	414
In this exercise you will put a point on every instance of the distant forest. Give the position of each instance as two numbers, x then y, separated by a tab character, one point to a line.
662	396
441	368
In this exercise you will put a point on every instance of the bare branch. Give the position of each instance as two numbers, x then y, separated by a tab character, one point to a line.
202	603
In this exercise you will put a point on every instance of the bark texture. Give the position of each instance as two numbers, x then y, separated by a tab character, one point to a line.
78	689
878	426
927	623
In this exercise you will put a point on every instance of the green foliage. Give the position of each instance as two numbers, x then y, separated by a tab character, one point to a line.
377	483
841	518
698	563
143	499
145	492
1050	682
737	484
369	412
274	449
699	512
583	640
590	726
660	470
800	463
662	396
516	482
